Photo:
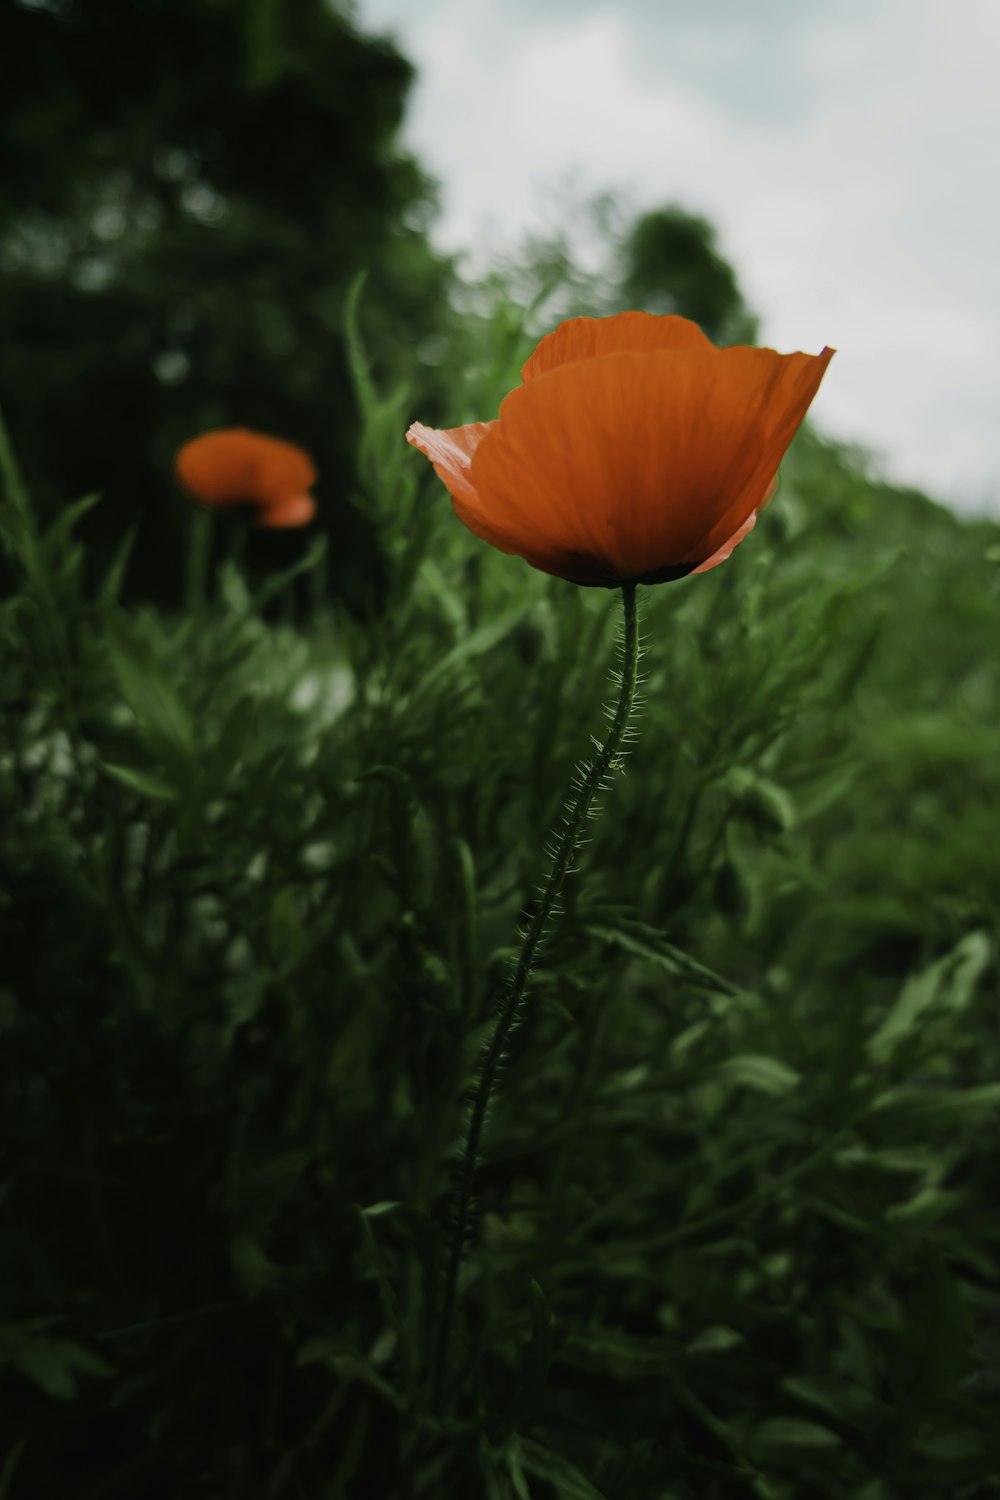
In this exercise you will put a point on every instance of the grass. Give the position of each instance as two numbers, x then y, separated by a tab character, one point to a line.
733	1232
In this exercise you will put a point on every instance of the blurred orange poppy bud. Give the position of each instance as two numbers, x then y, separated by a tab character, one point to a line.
634	451
233	466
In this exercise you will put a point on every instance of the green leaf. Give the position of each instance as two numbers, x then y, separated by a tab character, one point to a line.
146	783
476	643
649	944
514	1458
716	1339
926	1208
286	933
52	1363
112	586
234	591
854	1223
789	1432
761	802
370	1265
564	1477
620	1355
276	585
498	1484
10	1464
466	915
948	984
908	1160
953	1447
765	1075
159	710
689	1038
392	776
933	1107
59	532
844	1399
252	1267
339	1356
357	359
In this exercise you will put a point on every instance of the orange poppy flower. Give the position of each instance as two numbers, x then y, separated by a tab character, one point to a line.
634	451
233	466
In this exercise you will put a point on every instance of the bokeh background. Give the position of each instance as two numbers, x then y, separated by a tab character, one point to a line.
273	805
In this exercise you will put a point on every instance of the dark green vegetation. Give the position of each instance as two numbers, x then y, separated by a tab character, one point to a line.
736	1230
264	854
189	186
672	265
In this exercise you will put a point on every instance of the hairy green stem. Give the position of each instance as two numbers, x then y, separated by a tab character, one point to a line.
565	841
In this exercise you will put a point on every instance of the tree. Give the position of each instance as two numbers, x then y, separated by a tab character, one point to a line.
189	188
671	265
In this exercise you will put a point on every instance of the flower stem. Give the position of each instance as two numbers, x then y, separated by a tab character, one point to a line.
565	842
199	544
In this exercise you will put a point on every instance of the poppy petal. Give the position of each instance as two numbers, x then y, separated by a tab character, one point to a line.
635	450
297	510
587	338
283	470
726	549
796	380
234	466
450	451
219	467
637	462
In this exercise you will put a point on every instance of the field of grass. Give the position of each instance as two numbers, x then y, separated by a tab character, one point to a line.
263	859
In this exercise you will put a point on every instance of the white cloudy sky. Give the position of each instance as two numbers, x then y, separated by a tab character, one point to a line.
848	152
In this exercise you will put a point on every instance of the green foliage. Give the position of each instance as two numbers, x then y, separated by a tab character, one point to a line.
178	234
672	266
664	260
259	885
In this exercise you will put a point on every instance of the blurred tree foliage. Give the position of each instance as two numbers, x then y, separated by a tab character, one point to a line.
672	265
189	188
603	254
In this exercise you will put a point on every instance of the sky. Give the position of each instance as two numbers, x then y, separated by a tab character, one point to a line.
847	152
